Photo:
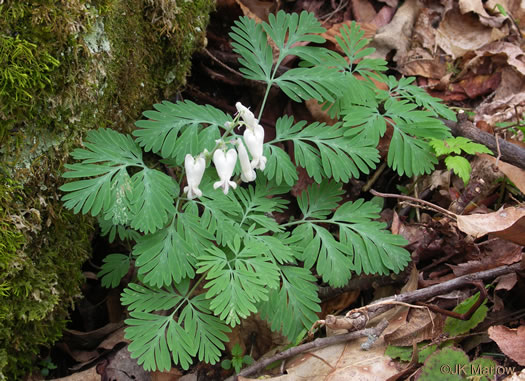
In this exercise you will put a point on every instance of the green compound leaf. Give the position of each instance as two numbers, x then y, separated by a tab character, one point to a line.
250	42
108	228
375	250
105	158
403	89
292	307
152	200
320	200
455	327
325	152
279	167
363	246
237	284
448	364
147	332
319	83
176	129
147	299
164	257
457	145
460	166
208	332
157	340
113	269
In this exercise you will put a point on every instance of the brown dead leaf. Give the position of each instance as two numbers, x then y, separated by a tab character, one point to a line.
341	362
458	34
398	33
515	174
514	8
506	282
476	6
509	96
510	341
340	302
363	10
494	253
171	375
257	9
508	223
421	325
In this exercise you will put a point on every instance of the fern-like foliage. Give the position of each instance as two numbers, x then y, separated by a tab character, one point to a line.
189	330
176	129
322	150
286	31
363	244
144	201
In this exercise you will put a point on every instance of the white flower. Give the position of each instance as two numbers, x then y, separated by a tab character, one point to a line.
254	139
246	115
247	172
194	172
225	164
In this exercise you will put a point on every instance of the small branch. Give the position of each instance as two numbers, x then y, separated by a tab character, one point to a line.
316	344
433	207
380	306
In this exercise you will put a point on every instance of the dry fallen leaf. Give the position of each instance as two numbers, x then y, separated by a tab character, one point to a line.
515	174
421	325
510	341
458	34
508	223
340	362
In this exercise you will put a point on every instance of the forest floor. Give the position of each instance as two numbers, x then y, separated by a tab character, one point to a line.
458	309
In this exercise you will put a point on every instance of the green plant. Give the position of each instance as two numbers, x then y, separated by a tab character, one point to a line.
208	256
238	360
45	366
458	164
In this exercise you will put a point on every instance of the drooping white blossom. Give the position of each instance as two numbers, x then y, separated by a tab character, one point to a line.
247	172
225	164
246	115
254	139
194	172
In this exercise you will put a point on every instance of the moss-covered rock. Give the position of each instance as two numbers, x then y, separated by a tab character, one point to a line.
67	67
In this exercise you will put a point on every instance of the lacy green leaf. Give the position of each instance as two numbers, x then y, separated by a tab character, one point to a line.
113	269
319	83
325	152
320	200
176	129
105	158
250	42
279	167
460	166
236	282
147	299
164	257
292	307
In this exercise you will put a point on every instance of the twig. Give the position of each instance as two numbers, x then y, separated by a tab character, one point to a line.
316	344
379	306
413	199
370	183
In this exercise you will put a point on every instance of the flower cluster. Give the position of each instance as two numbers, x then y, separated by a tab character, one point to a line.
225	159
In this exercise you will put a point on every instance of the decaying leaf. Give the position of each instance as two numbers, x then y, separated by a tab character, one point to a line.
515	174
457	33
508	223
510	341
421	325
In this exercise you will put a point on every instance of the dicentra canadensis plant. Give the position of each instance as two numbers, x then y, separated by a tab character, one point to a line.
207	247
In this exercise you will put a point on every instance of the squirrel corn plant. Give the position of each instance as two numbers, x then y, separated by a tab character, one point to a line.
206	244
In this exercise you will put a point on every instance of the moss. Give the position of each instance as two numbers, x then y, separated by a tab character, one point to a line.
83	64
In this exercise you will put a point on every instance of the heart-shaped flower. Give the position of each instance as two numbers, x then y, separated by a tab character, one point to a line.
254	139
247	172
225	164
194	172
